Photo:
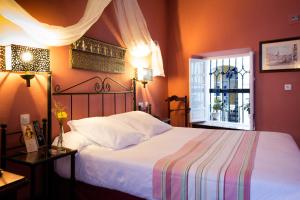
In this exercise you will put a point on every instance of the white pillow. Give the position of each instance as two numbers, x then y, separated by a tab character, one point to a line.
106	132
143	122
74	140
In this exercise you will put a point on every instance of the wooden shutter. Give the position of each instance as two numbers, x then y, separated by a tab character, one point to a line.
198	90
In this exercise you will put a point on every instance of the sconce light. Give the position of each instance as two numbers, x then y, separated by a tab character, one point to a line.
144	75
27	77
17	58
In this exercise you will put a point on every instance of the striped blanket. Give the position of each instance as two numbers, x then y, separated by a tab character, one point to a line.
214	165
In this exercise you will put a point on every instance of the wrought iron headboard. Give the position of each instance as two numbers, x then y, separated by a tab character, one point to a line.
102	87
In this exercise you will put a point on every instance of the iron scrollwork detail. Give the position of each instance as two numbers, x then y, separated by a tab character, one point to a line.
106	85
98	87
101	86
57	88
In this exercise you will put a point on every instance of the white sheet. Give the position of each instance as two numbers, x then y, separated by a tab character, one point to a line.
276	173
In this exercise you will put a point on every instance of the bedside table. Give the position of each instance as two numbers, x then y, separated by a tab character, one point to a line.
43	156
10	183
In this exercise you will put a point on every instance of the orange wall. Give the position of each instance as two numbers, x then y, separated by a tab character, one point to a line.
199	26
17	99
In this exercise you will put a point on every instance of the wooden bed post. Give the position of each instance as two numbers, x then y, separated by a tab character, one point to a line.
3	146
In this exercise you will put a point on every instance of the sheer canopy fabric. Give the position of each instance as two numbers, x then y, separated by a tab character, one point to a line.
18	27
136	36
46	34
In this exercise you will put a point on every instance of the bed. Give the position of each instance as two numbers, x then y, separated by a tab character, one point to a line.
182	163
275	175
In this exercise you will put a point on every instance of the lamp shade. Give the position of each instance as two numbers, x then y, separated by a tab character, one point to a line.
144	74
22	59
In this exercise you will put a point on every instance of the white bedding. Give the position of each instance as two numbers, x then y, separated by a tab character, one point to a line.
276	173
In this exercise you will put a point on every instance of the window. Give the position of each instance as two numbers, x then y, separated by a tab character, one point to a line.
221	91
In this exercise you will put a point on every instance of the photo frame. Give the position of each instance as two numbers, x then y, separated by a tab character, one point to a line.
30	139
280	55
39	133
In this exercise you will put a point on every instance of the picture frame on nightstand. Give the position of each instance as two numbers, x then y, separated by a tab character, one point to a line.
39	133
30	139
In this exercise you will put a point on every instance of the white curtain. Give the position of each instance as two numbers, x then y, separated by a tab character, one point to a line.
136	36
14	18
18	27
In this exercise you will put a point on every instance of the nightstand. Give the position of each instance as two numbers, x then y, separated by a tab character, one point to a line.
43	156
10	183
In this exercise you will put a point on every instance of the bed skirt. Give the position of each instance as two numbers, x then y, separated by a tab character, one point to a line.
85	191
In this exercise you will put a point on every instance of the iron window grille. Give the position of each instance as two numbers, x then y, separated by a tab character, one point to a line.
229	83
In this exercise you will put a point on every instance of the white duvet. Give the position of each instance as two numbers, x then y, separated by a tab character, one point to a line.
276	173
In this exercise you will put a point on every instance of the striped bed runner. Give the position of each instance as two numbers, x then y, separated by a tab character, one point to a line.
216	164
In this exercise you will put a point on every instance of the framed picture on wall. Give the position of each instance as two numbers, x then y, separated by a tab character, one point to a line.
280	55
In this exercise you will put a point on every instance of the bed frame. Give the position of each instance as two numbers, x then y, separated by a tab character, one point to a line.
102	87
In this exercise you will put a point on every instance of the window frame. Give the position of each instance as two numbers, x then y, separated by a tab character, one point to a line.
222	124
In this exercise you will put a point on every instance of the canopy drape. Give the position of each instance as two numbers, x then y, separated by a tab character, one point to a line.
135	34
50	35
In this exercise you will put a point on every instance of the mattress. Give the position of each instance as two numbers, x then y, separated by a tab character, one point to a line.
275	175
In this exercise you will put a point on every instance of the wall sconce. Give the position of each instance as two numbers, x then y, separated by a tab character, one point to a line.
144	75
17	58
